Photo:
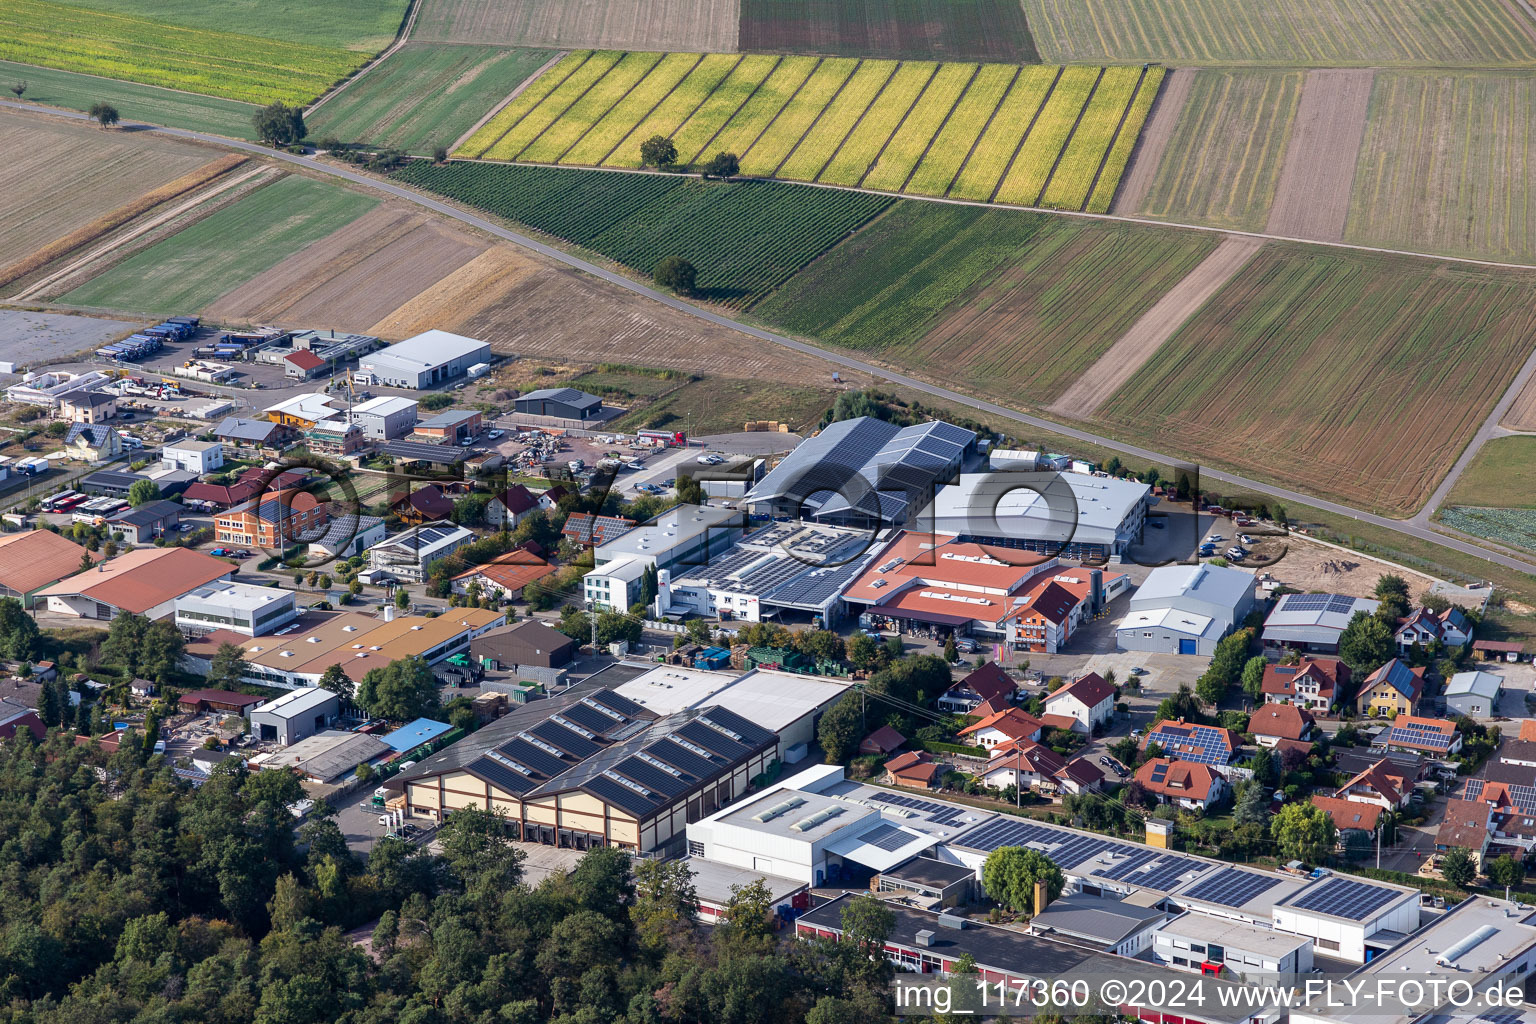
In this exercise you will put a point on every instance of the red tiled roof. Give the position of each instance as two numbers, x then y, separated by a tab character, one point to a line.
139	580
1012	722
1058	721
1280	680
1187	779
1285	721
988	707
1380	779
35	559
1528	729
513	570
1465	824
1091	689
304	359
989	681
1081	771
882	741
901	762
1349	813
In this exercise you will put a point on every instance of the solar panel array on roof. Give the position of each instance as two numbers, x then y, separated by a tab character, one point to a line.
1231	887
1202	744
898	800
1085	855
1341	897
419	451
1159	773
813	588
1420	735
886	836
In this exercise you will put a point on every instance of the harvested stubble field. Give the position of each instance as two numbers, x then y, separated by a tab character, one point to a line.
1449	165
1362	375
355	276
697	25
58	176
219	63
919	126
1222	159
745	238
1521	415
1314	33
1011	304
134	102
985	30
195	266
526	306
424	96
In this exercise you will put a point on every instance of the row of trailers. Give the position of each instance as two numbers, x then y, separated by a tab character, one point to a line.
150	340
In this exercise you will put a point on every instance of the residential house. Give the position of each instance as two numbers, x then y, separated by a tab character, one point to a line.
988	683
1187	784
1474	693
15	716
1312	683
93	442
1432	737
504	576
143	524
1349	815
1272	723
1079	776
254	437
88	407
915	769
274	522
1466	824
1008	726
1423	627
425	504
884	740
585	529
1378	785
1393	689
1088	700
335	436
302	411
1206	744
512	506
197	457
1025	765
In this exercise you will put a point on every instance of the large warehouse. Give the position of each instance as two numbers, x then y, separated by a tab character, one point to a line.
1074	515
423	361
563	403
1185	609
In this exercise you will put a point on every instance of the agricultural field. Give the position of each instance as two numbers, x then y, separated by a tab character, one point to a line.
718	406
134	102
1501	475
424	96
745	238
1449	165
697	25
195	266
1515	527
1012	304
981	30
217	63
1312	33
1363	375
59	176
922	127
367	25
1223	158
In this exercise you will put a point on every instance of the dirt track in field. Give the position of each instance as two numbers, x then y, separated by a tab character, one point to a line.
354	276
1153	143
1312	198
523	306
1120	363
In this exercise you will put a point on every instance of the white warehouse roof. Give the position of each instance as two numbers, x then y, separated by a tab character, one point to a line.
1077	507
432	348
1217	584
385	405
296	702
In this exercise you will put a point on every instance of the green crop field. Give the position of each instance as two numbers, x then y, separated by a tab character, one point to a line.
1515	527
1317	33
424	96
1223	160
367	25
1032	167
1501	474
1013	304
1363	374
217	63
745	238
1449	165
133	101
913	126
192	268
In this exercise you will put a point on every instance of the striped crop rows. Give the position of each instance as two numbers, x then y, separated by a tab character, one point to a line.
1031	136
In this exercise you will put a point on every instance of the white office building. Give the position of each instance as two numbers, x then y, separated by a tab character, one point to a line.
385	418
678	540
1185	609
241	607
423	361
1209	945
198	457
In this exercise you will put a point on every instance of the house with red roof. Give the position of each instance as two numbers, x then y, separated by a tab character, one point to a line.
883	740
505	575
1007	726
1466	824
1313	683
1272	723
1379	784
1088	700
915	769
1080	776
1047	614
511	506
988	684
1349	815
1187	784
303	365
1027	766
1210	744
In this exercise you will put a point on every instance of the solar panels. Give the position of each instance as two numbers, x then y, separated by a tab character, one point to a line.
926	806
1202	744
886	836
1160	773
1231	887
1420	734
1340	897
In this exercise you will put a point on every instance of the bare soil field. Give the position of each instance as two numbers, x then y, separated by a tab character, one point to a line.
1312	199
1306	565
1154	140
355	276
524	306
1522	413
58	176
37	339
697	25
989	30
1139	344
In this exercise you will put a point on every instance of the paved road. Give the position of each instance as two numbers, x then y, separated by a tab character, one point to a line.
1406	527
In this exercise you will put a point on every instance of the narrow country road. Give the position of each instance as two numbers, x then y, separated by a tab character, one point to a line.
1406	527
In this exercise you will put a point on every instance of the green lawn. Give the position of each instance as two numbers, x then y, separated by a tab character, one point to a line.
353	25
133	101
190	269
425	96
1502	475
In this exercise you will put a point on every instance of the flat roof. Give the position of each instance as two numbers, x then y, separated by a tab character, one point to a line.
795	814
712	881
1250	938
674	527
1247	891
413	734
1479	934
241	596
773	700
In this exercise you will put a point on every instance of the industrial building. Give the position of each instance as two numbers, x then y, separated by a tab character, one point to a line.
1073	515
864	472
1186	609
560	403
1118	926
410	555
143	523
1313	622
385	418
240	607
194	456
680	538
1474	693
146	581
422	362
528	650
1208	945
32	560
451	426
294	716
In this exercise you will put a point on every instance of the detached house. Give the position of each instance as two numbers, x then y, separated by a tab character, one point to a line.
913	770
93	442
1423	627
989	683
1433	737
1314	683
1392	689
1378	785
1207	744
1185	784
1466	824
1349	815
1088	700
1027	766
1008	726
511	506
1272	723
